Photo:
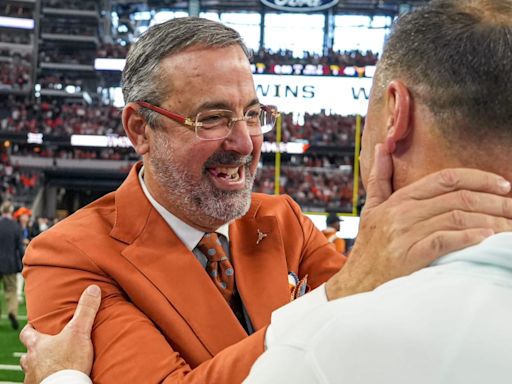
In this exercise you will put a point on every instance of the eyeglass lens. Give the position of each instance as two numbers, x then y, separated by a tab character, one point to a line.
217	124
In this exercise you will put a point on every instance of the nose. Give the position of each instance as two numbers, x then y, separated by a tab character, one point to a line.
239	140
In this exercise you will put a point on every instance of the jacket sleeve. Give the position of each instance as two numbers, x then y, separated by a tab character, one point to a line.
128	347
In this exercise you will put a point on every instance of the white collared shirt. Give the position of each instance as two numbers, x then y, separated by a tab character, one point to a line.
189	235
449	323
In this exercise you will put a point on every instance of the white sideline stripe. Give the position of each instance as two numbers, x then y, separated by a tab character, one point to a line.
19	317
18	354
10	382
7	367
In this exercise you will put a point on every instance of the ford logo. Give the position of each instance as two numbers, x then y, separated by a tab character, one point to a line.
300	5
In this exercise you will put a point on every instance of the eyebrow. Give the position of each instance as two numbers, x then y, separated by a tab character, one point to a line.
222	105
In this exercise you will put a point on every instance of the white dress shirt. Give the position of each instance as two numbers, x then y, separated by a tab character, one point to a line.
450	323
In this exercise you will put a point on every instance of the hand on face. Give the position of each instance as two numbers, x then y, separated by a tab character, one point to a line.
407	230
70	349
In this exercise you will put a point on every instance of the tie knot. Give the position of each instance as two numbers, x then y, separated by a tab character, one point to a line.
211	247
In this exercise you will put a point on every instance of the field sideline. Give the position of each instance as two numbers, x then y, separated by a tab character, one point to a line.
10	346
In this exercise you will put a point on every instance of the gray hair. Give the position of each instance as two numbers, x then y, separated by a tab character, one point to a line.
142	78
456	56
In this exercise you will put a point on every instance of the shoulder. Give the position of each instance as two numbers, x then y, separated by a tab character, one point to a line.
273	203
86	227
9	224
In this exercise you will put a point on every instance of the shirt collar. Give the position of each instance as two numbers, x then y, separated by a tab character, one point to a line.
493	251
189	235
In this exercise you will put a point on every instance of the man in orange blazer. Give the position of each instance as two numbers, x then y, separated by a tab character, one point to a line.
162	318
160	307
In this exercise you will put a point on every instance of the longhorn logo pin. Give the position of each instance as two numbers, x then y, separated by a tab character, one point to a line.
261	236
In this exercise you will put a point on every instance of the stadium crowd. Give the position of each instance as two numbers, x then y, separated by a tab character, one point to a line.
317	129
81	153
340	58
58	118
16	184
279	57
313	188
70	29
69	56
15	36
86	5
58	81
15	72
112	51
16	10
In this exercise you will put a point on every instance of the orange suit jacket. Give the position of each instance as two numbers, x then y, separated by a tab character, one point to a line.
162	320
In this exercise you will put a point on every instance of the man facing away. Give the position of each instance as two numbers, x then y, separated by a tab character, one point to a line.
170	312
11	253
441	98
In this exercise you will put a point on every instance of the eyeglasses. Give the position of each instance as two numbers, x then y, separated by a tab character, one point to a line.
216	124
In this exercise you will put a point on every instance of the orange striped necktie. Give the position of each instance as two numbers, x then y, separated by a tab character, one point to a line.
219	267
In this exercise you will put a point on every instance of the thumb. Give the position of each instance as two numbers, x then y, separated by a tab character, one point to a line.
379	186
86	310
28	336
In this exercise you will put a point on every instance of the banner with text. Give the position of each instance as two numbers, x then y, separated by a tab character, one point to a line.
312	94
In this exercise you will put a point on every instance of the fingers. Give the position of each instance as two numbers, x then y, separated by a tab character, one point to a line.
467	201
86	310
28	336
23	362
441	243
455	179
460	220
379	186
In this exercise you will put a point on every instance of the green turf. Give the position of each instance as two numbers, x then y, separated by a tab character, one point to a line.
9	342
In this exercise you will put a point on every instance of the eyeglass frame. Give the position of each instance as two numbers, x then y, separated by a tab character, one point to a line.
192	123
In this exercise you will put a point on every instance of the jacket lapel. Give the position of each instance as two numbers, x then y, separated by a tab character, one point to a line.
260	266
161	257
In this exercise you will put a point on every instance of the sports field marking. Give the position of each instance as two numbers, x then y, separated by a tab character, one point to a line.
19	317
7	367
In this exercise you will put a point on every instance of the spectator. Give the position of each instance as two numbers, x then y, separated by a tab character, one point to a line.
11	253
331	232
22	216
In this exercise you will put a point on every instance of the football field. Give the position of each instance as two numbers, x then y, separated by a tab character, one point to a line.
10	347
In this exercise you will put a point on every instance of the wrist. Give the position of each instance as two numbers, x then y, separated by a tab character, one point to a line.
347	282
339	286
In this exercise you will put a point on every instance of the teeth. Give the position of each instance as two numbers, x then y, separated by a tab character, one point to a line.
227	173
231	172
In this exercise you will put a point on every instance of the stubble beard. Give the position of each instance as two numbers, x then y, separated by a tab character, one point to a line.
200	200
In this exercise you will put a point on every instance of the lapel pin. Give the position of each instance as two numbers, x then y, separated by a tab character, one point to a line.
261	236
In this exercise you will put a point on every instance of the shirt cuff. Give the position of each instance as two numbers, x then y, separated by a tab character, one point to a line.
67	376
283	317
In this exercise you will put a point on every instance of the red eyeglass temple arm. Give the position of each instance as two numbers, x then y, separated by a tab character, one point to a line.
173	116
186	120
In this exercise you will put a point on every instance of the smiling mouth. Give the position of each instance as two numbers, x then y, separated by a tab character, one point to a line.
228	173
228	178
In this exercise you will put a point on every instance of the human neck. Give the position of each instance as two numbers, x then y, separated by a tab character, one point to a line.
409	169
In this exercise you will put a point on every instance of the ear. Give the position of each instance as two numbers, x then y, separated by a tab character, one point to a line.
136	127
398	109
